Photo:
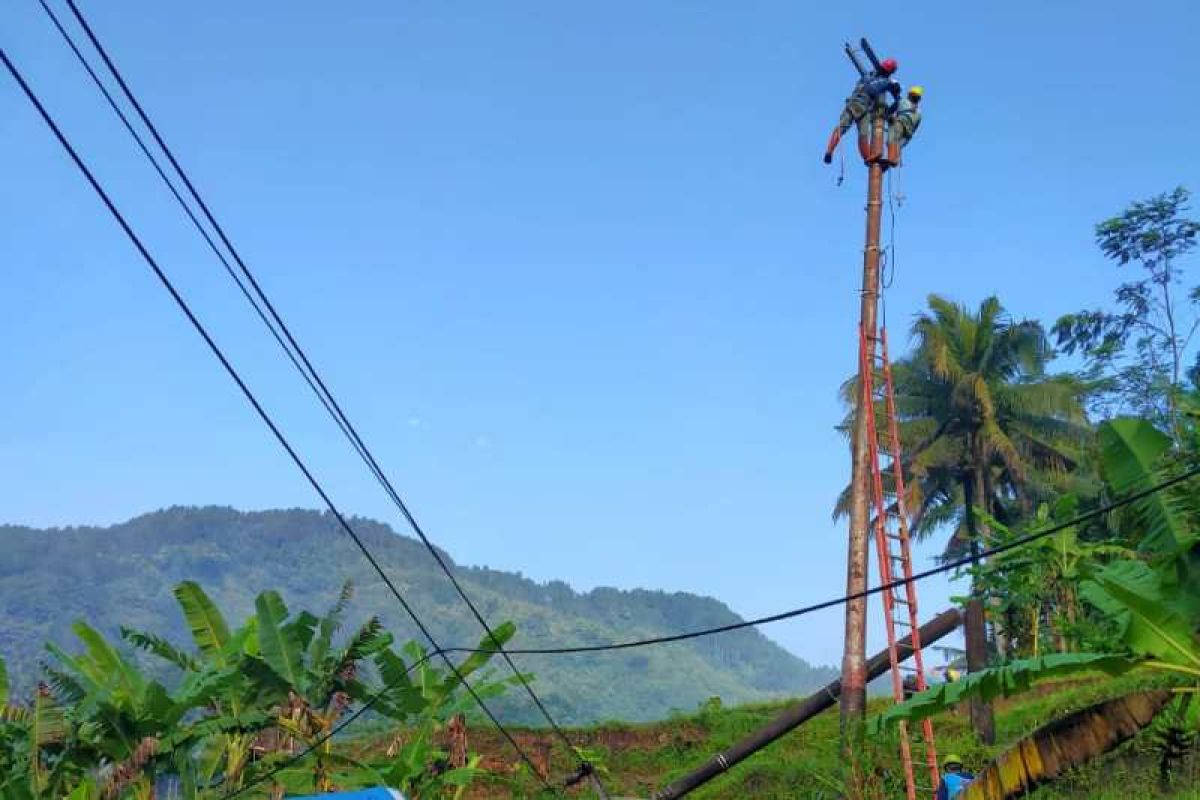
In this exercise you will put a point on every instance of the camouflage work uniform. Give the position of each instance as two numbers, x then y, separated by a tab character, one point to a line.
905	122
866	98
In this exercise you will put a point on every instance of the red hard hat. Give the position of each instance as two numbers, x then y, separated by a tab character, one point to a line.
889	66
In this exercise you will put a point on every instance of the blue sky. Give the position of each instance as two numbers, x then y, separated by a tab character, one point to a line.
575	269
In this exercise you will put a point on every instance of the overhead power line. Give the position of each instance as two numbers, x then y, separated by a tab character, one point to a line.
312	747
191	215
298	358
798	612
335	411
332	732
948	566
250	397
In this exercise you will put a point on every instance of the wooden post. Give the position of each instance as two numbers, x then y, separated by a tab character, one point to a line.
854	670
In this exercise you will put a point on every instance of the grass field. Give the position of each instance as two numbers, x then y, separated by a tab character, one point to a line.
806	763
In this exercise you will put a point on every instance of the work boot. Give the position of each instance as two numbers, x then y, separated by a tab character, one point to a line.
864	149
876	151
834	138
893	158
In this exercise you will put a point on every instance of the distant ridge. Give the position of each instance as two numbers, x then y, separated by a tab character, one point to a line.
123	574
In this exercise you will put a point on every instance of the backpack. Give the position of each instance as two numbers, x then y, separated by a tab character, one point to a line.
955	783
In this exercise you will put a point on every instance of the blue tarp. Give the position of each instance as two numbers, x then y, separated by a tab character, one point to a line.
362	794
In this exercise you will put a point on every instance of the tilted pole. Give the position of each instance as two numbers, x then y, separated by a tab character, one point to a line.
806	709
854	681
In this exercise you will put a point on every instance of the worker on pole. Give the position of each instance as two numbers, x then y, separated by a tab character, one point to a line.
904	124
864	103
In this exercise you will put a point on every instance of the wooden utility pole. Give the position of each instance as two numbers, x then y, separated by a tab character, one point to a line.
854	658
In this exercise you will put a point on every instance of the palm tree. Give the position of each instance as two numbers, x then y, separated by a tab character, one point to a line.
982	427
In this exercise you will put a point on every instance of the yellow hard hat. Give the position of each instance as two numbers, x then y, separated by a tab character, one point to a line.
919	91
952	759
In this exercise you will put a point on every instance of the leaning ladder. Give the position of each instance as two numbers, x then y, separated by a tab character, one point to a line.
892	543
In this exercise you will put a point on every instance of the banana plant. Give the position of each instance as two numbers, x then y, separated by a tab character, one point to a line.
1155	622
1136	455
1152	599
114	710
421	699
1039	582
13	733
33	758
218	680
247	699
276	681
316	681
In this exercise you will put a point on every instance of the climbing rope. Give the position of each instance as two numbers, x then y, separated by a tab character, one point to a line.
888	276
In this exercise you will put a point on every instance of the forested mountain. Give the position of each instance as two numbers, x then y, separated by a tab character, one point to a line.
123	575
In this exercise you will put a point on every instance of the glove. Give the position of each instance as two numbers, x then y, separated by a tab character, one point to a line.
828	158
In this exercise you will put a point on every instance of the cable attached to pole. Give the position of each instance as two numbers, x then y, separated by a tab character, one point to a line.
585	768
891	249
250	396
945	566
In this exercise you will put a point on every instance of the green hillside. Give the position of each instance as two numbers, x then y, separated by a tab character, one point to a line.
123	574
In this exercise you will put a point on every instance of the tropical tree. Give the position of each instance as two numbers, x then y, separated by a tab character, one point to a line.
987	427
32	744
256	705
116	714
1140	350
245	691
1035	588
282	682
420	699
983	427
313	682
1153	599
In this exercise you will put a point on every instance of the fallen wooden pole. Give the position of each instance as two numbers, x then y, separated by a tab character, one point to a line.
803	711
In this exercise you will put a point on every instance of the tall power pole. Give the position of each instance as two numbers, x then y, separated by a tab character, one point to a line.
854	670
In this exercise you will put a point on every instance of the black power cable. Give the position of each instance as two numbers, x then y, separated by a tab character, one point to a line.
332	407
947	567
179	198
320	740
251	398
